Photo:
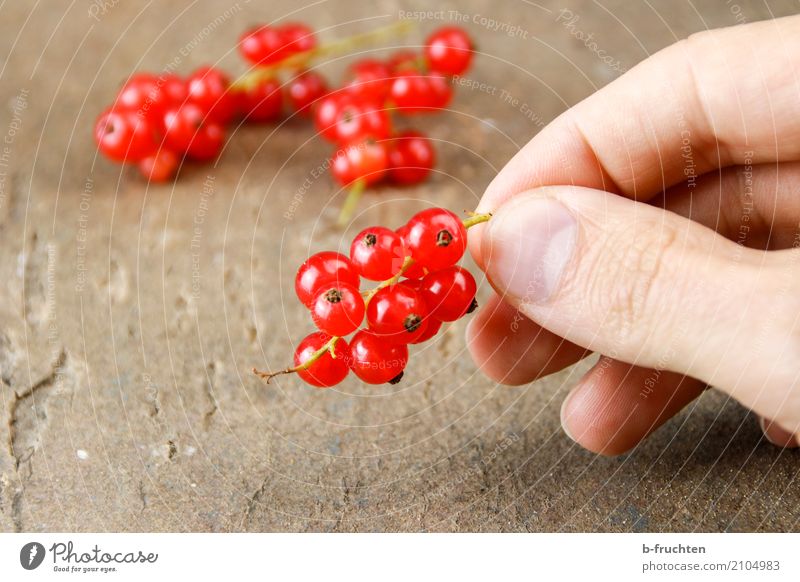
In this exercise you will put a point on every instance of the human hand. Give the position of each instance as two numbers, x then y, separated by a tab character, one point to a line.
658	223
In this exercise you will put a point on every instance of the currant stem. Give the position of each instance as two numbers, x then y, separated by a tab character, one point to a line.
407	262
342	46
476	219
328	347
351	202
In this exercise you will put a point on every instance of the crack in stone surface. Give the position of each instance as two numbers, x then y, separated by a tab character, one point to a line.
142	496
153	400
15	435
18	398
211	375
16	510
253	501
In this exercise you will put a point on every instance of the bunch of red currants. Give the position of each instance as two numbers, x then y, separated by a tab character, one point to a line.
357	117
157	120
421	287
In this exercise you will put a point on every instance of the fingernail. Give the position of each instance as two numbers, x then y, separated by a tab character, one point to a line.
563	416
527	246
777	435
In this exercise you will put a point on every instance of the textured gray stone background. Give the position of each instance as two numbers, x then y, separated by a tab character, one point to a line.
131	316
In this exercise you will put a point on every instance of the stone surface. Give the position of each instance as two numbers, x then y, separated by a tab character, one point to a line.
131	316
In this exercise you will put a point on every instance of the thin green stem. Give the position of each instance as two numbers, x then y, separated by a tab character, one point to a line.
476	219
328	347
407	262
351	202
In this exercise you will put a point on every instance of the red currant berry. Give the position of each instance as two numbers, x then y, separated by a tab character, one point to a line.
338	309
181	123
414	92
449	293
207	142
376	361
414	271
262	45
296	38
143	94
326	112
366	161
377	253
448	50
440	91
173	88
125	136
341	118
305	90
410	92
321	269
208	88
411	158
326	371
186	131
434	325
370	80
398	314
436	238
263	102
360	120
161	166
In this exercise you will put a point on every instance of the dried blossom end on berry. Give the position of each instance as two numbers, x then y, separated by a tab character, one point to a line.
412	322
333	296
473	306
443	238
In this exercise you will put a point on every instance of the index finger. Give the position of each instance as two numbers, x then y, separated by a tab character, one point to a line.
721	97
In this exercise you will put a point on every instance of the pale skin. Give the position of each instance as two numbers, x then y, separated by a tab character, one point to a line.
657	223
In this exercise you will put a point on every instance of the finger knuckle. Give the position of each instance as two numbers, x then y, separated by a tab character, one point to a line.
627	277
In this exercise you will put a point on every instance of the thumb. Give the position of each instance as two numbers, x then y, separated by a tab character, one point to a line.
651	288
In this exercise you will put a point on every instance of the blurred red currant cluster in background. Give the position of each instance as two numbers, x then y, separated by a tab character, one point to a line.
158	120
